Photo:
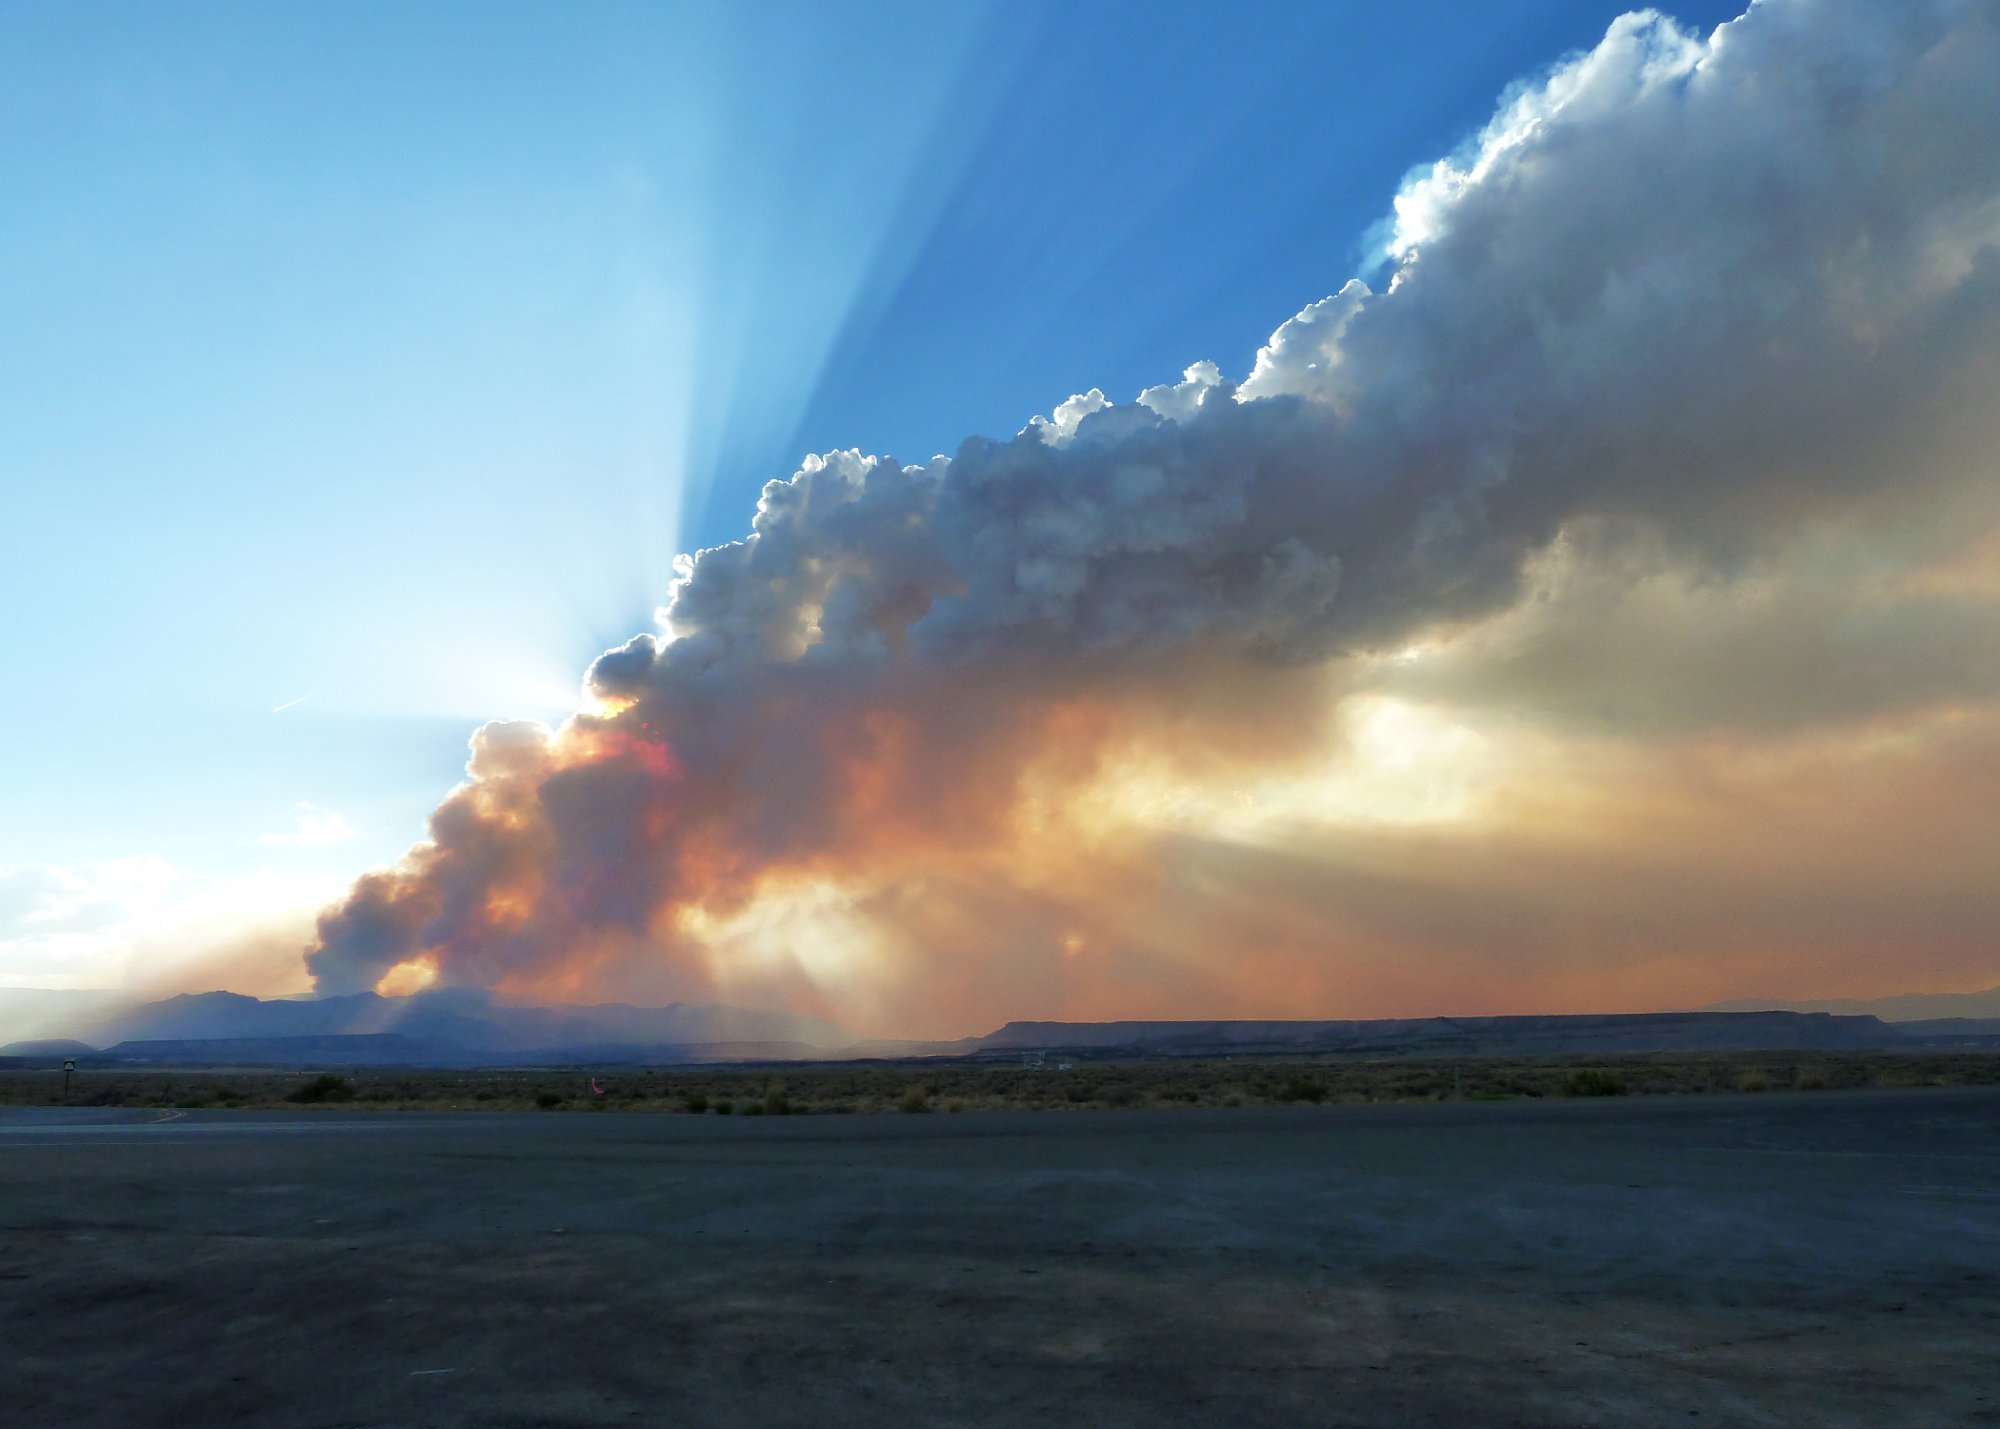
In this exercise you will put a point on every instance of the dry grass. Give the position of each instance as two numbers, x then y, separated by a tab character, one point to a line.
833	1088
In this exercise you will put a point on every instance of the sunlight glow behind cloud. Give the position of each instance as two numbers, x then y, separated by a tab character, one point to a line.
1514	631
939	738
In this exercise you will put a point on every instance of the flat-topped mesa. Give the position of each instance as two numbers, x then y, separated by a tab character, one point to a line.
1484	1036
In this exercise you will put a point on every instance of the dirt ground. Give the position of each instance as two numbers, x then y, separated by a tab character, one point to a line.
1828	1258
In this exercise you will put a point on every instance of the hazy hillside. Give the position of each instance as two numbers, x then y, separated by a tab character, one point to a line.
453	1026
30	1013
47	1049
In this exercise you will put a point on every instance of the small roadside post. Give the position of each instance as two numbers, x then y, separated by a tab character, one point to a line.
69	1066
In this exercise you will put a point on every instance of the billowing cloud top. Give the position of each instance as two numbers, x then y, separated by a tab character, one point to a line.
1687	303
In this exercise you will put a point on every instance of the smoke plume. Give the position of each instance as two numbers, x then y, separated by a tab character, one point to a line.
1697	298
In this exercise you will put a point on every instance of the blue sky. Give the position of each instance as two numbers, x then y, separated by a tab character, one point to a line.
375	360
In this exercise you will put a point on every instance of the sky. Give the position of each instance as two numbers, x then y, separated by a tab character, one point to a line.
380	363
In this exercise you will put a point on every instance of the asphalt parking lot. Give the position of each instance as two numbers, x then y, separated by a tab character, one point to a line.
1792	1259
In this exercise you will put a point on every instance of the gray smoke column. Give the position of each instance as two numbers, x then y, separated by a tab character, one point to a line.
1696	292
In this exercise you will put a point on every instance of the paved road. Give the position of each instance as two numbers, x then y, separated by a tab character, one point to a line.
1824	1258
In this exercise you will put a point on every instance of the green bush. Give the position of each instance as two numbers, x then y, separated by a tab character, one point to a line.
548	1101
695	1102
1302	1089
326	1087
916	1099
1591	1082
724	1107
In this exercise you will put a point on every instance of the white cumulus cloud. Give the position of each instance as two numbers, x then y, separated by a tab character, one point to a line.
313	827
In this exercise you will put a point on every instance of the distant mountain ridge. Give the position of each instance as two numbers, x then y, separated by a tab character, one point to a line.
450	1026
466	1027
